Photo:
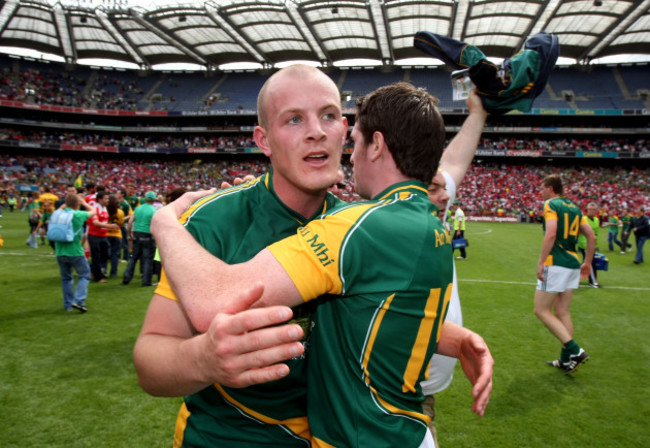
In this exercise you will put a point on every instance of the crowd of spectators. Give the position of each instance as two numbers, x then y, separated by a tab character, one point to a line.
151	141
62	88
609	144
159	175
489	189
233	141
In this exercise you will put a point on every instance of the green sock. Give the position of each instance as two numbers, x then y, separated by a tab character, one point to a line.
564	355
572	347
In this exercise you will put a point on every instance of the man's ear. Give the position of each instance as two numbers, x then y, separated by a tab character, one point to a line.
378	146
262	141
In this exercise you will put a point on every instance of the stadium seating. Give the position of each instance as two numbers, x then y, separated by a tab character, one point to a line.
590	87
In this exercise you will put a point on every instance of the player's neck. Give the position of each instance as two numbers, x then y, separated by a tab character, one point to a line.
304	202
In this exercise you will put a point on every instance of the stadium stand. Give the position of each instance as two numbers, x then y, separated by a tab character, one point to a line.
163	130
238	91
591	87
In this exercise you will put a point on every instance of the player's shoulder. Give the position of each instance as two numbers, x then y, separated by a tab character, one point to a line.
394	215
226	204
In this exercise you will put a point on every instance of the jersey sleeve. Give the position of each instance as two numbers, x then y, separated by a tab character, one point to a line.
311	258
549	212
315	258
164	288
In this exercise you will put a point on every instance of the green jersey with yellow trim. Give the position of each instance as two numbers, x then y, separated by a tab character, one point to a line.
387	267
234	225
569	219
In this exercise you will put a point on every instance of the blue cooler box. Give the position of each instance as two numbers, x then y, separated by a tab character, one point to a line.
601	262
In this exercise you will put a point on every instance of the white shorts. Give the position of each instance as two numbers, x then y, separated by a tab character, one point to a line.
428	441
559	279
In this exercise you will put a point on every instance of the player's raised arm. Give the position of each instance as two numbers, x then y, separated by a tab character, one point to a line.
458	155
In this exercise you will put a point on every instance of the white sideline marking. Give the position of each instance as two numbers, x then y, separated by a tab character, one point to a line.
26	255
474	280
503	282
480	233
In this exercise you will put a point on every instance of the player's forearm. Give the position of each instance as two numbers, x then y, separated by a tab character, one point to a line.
105	225
167	366
451	339
547	246
196	276
460	152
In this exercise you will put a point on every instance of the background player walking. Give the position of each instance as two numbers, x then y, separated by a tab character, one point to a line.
559	270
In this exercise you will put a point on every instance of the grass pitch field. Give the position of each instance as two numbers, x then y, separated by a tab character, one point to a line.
68	379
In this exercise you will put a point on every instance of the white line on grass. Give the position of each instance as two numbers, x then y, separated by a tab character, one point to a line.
479	233
26	255
475	280
503	282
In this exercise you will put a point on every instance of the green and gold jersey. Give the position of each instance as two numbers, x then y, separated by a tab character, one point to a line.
569	219
387	265
234	225
134	201
625	220
126	208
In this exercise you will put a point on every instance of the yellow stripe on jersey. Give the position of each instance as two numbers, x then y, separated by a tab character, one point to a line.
574	254
416	360
181	424
549	214
373	336
297	425
318	443
401	193
366	357
164	289
312	256
207	199
395	410
445	306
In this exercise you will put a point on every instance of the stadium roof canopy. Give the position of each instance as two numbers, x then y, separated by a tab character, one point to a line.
270	32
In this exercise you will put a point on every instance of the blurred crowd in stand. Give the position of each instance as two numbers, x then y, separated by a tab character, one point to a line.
489	189
492	189
152	141
65	89
603	144
179	140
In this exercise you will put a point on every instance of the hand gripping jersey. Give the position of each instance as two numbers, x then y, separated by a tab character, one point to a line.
234	225
569	219
390	261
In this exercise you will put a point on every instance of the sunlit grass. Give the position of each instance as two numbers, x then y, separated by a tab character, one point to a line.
68	379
